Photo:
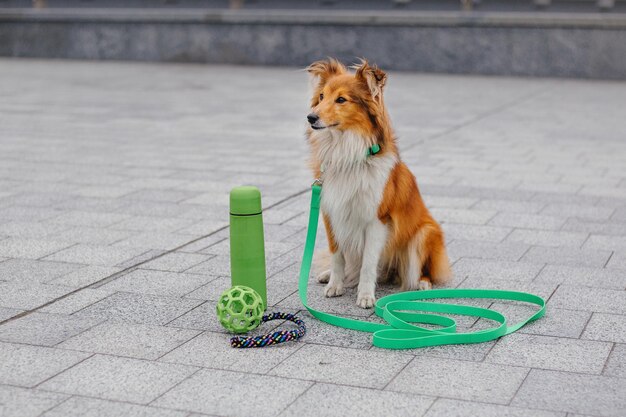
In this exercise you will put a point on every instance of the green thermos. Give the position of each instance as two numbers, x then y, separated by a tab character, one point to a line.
247	246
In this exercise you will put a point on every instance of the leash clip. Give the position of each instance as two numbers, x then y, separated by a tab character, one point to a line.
318	181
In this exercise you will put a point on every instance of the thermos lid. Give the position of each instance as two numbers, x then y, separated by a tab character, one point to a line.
245	200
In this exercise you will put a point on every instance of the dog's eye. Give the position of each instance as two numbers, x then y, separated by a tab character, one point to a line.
340	100
321	97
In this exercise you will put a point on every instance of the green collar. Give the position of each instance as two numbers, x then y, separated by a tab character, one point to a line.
373	150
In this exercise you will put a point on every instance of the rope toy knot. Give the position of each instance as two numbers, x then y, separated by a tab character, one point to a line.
275	338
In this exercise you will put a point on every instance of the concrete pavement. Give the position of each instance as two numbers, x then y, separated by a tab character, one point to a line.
114	181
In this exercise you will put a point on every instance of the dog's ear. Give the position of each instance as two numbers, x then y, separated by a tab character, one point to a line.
321	71
374	77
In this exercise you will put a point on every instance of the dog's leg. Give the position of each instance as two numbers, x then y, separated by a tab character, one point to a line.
375	239
335	287
353	266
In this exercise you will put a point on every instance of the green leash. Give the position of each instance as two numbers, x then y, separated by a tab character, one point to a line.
398	310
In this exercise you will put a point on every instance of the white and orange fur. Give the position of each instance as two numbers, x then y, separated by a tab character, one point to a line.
377	225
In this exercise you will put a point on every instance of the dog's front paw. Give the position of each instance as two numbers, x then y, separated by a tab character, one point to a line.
334	290
365	300
424	284
324	277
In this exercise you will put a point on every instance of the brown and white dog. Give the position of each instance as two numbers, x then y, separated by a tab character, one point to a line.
376	222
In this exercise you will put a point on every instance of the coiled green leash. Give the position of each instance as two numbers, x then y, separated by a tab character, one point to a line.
399	310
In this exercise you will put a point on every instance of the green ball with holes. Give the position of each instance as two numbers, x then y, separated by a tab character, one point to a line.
240	309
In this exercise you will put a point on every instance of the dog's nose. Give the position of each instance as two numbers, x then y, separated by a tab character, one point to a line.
312	118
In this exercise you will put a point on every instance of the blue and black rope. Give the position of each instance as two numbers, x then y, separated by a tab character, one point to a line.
272	338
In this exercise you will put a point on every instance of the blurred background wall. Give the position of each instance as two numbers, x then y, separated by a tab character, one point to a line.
568	38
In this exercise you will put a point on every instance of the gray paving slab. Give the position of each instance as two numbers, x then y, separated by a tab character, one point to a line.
617	261
616	365
286	260
77	301
282	284
202	227
217	265
527	221
336	365
132	340
548	352
463	380
211	290
202	317
95	254
577	393
514	168
346	304
160	195
589	299
6	313
322	333
89	218
543	290
84	276
93	407
455	231
599	227
44	329
567	256
475	352
147	223
27	366
140	259
608	327
280	216
139	308
153	240
488	269
153	208
620	212
218	392
122	379
330	400
145	281
33	199
609	243
22	213
505	251
556	322
213	350
30	270
176	262
25	296
203	244
91	235
465	216
528	207
548	238
30	230
30	248
583	276
445	407
585	212
21	402
88	204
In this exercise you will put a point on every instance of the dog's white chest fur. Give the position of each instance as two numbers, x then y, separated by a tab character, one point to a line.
353	187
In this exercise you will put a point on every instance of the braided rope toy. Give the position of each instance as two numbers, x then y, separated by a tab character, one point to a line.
272	338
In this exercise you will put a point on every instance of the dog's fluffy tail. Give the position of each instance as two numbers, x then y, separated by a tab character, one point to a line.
438	264
321	264
321	269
